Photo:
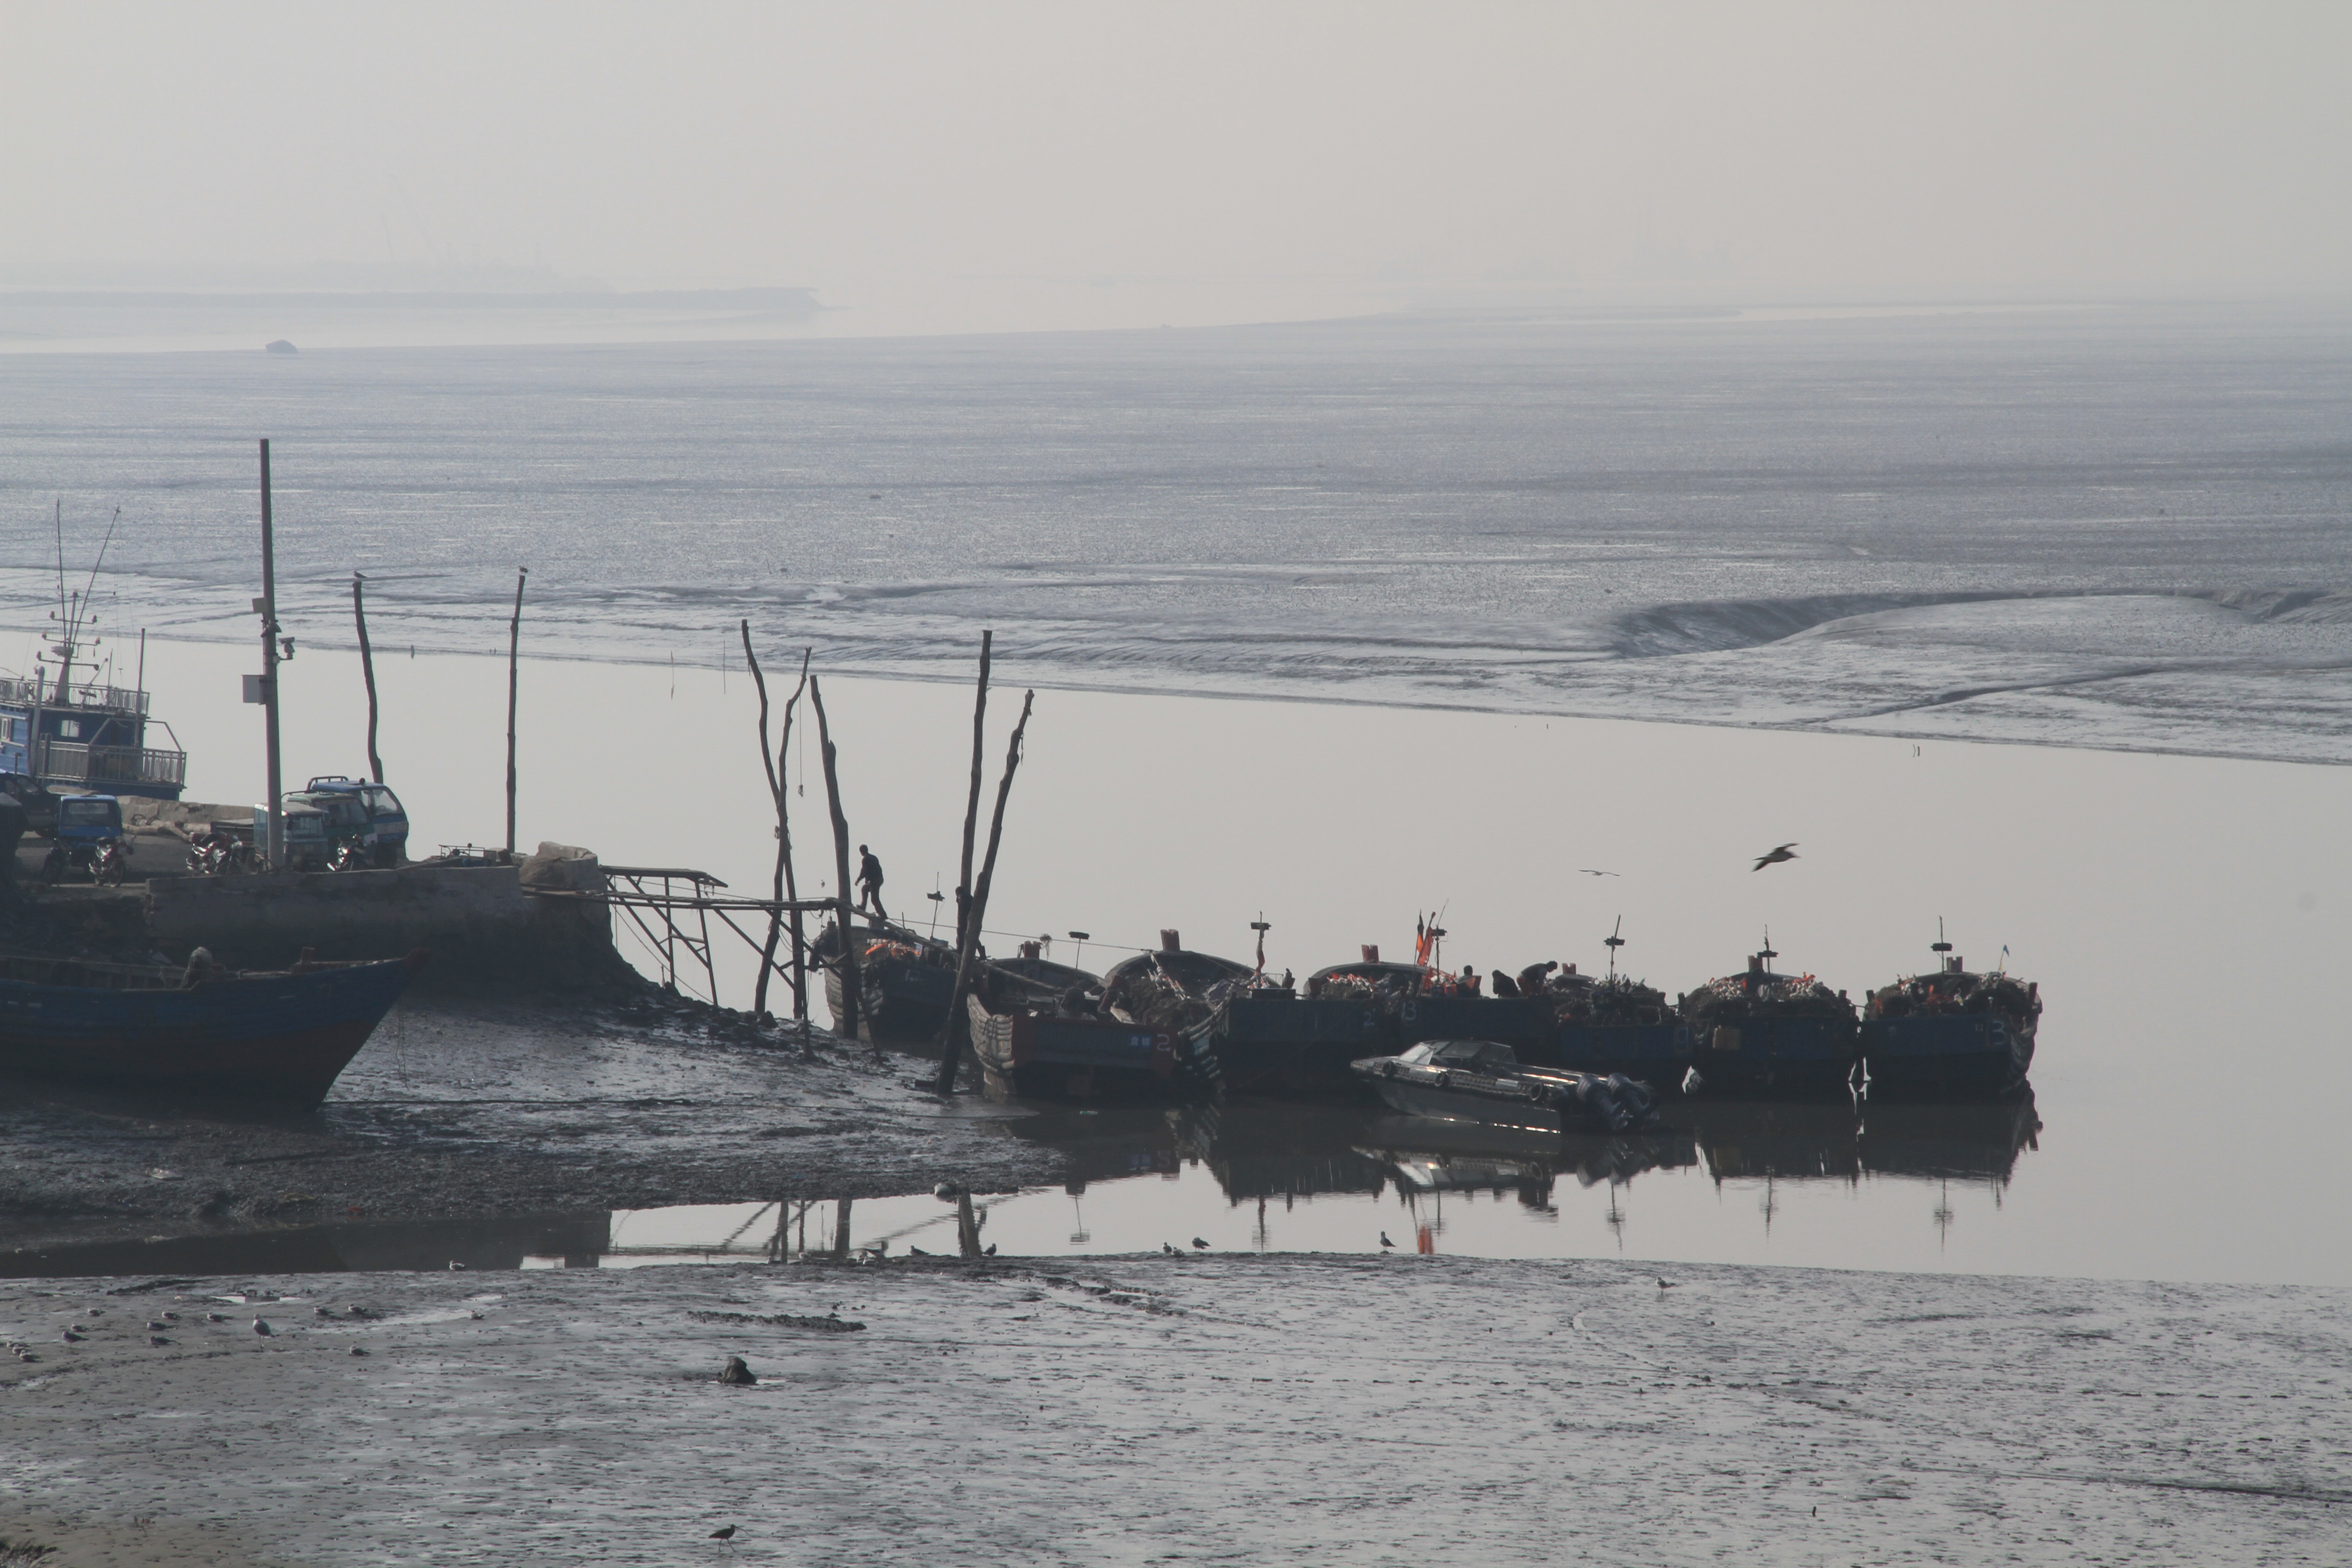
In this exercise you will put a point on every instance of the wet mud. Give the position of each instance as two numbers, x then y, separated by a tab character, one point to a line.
1275	1410
520	1113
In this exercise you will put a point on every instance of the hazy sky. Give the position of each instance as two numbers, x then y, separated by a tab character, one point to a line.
952	153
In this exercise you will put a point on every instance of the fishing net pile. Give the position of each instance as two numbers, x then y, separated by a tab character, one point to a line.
1751	995
1171	990
1945	995
1584	1001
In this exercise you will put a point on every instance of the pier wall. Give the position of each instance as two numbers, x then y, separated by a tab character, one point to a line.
483	931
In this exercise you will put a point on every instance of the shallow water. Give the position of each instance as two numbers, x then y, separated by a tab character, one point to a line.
1639	518
2185	918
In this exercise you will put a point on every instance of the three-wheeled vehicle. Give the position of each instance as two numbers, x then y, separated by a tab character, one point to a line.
88	838
387	841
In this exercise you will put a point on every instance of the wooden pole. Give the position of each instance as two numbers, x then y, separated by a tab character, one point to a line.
773	763
959	1021
972	808
783	822
852	994
841	1229
367	672
514	659
276	849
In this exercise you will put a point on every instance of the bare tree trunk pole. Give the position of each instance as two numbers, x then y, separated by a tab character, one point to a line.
514	656
971	809
953	1035
784	854
775	799
967	1226
367	672
841	1229
852	994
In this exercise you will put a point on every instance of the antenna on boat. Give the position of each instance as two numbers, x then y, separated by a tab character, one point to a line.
1079	958
936	899
1939	946
1260	926
1767	956
1613	941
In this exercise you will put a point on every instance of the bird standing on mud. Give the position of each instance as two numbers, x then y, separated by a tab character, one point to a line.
1786	852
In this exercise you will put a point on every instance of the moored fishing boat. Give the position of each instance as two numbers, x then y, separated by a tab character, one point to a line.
1949	1034
1044	1051
905	981
1483	1081
1759	1033
1614	1024
275	1037
1171	987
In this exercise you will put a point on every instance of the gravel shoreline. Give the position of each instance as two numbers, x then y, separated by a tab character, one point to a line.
1239	1410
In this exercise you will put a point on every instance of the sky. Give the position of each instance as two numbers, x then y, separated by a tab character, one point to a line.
1101	162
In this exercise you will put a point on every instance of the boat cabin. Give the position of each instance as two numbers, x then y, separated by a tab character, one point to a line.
85	737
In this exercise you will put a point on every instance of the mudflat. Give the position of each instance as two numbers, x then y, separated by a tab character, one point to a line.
483	1107
1251	1410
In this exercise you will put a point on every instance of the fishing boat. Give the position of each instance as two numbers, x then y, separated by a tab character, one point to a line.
68	726
1042	1050
1949	1034
1172	987
1483	1081
1304	1041
906	981
1614	1024
1759	1033
281	1037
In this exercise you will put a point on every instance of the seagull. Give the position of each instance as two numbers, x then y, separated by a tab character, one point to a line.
1591	872
357	1350
1665	1284
154	1325
1198	1243
261	1327
1385	1241
1786	852
215	1316
157	1340
72	1338
913	1251
1168	1250
988	1251
455	1266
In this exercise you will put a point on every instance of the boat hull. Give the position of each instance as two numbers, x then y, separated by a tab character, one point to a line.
1962	1055
1082	1059
1658	1054
1775	1055
279	1038
1291	1045
905	1001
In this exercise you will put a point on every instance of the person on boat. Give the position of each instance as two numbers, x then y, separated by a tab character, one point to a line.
869	882
1468	984
1505	985
1535	977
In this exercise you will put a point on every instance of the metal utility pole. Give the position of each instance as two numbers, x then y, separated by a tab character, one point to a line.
267	605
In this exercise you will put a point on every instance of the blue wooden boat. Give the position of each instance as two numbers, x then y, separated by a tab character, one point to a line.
1276	1040
277	1036
906	981
1762	1034
1037	1054
1951	1034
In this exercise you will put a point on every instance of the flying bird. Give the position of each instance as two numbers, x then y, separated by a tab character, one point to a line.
1591	872
1786	852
